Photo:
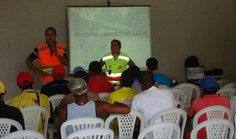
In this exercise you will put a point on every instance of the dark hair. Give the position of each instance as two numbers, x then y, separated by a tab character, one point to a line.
95	67
126	79
152	63
29	86
146	79
82	74
50	28
117	42
134	70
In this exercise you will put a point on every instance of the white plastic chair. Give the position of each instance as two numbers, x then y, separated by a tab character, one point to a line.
6	125
80	124
215	129
230	85
233	105
33	115
55	100
92	133
24	134
161	131
212	112
222	82
178	98
104	96
189	92
126	123
227	92
172	115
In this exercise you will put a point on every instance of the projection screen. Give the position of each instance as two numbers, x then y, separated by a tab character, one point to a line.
91	30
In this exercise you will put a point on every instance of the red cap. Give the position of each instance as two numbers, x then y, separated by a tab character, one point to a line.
59	70
24	78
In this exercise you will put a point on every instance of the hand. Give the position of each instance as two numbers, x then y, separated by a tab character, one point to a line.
42	73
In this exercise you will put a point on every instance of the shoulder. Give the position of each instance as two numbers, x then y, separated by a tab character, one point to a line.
41	45
43	96
107	54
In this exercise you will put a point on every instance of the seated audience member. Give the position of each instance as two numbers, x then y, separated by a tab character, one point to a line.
78	68
29	96
161	79
59	85
135	70
80	73
125	92
152	99
82	107
98	83
9	111
210	98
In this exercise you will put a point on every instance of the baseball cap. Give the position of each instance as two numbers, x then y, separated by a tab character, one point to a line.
82	74
78	86
24	78
59	70
78	68
2	88
209	83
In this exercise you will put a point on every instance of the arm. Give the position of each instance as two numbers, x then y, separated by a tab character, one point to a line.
102	63
60	116
31	65
63	60
116	108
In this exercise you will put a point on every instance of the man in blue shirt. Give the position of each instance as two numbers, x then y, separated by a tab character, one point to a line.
161	79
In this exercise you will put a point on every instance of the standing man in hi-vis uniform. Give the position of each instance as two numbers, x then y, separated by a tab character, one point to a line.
49	54
115	62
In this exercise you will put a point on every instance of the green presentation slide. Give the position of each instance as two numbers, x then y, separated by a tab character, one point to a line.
91	30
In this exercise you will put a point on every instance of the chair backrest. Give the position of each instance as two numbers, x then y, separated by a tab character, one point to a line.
189	91
178	98
233	105
126	123
104	96
215	129
55	100
172	115
230	85
212	112
227	92
33	116
6	125
161	131
92	133
24	134
222	82
80	124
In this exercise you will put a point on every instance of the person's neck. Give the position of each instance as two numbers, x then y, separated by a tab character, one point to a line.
81	100
155	71
115	53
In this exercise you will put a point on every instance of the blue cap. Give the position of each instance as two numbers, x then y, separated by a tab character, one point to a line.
209	84
78	68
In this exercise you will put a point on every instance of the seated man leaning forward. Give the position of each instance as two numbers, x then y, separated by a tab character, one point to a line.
210	98
82	107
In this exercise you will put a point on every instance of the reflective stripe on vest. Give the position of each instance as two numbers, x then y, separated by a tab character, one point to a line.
113	74
48	61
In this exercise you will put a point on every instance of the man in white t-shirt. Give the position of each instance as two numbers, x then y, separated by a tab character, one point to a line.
152	99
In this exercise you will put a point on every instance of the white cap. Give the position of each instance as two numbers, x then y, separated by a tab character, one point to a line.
78	86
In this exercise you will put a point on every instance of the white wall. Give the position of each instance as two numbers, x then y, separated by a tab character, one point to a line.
181	28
